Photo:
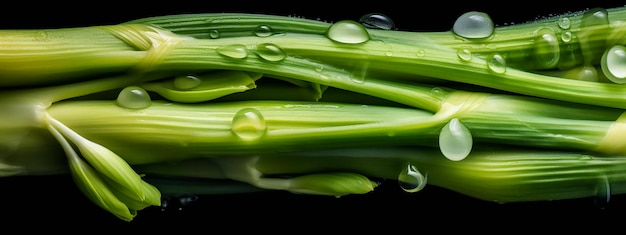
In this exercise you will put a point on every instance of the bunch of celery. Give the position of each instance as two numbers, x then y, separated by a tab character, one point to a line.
132	111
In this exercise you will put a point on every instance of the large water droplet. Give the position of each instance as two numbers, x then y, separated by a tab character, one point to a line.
348	31
270	52
186	82
595	16
455	140
547	49
133	97
613	64
249	124
411	180
263	31
603	193
236	51
377	21
473	25
496	63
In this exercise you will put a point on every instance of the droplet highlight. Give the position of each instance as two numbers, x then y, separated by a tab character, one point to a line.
214	33
377	21
455	140
411	180
564	22
473	25
348	31
249	124
496	63
133	97
613	64
186	82
235	51
270	52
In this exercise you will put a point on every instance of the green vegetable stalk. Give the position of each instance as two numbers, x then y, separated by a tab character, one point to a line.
525	112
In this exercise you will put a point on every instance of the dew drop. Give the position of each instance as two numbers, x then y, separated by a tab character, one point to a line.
377	21
496	63
411	180
41	36
464	54
455	140
263	31
249	124
186	82
359	73
613	64
603	193
473	25
546	49
133	97
421	53
270	52
566	36
564	23
214	33
595	16
586	73
236	51
348	31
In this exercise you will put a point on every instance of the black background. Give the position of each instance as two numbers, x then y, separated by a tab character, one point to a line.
53	202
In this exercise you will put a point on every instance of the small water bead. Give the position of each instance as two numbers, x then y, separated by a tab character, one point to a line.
235	51
348	31
464	54
564	22
263	31
566	36
214	33
359	73
270	52
613	64
186	82
496	63
455	140
133	97
377	21
421	53
473	25
249	124
411	180
546	49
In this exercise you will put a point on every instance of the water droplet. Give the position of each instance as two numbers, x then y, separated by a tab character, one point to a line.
464	54
377	21
41	36
613	64
586	73
473	25
348	31
263	31
421	53
411	180
214	33
359	73
236	51
564	23
546	49
496	63
595	16
603	193
249	124
270	52
134	97
566	36
455	140
186	82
